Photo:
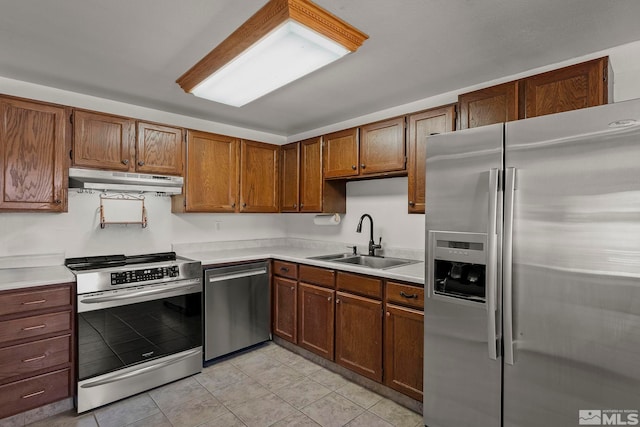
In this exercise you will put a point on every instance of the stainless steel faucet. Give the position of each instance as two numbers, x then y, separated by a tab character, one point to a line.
372	245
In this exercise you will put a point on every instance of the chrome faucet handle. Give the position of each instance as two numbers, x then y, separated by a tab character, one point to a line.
354	249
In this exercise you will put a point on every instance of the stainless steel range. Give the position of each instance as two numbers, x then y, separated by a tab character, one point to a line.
139	324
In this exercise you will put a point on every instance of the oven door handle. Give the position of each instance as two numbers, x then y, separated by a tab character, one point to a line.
124	375
142	293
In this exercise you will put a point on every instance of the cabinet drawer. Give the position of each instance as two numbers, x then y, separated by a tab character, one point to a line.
24	358
362	285
285	269
23	301
400	293
33	326
34	392
318	276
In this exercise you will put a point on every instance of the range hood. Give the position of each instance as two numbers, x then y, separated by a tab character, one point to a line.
125	182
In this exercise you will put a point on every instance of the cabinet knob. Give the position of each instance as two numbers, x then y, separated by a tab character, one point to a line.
388	314
301	205
362	165
295	205
58	201
328	298
141	163
244	205
354	167
233	205
337	300
125	162
292	288
412	203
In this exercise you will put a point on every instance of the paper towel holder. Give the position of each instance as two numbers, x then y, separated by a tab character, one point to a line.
327	219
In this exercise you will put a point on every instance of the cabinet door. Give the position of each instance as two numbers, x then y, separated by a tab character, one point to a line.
421	125
103	141
289	177
382	147
258	177
495	104
211	181
359	334
159	149
316	319
341	154
284	308
311	175
34	144
403	350
570	88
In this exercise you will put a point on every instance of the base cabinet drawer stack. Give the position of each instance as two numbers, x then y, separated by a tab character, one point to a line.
36	347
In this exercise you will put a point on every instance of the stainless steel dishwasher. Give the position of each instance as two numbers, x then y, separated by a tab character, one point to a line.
237	308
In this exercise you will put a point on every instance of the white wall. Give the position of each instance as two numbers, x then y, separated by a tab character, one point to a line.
77	232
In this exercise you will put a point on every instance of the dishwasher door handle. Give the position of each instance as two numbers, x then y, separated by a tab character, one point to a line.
239	275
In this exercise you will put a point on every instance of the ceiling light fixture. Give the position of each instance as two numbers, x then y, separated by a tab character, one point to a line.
283	41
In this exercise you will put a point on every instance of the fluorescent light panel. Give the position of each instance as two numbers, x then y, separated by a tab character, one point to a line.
285	54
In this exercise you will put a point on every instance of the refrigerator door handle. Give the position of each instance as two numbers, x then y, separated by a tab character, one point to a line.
507	269
492	263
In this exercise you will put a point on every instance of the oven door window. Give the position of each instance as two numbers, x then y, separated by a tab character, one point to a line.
113	338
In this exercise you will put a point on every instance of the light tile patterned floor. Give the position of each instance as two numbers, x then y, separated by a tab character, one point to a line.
269	386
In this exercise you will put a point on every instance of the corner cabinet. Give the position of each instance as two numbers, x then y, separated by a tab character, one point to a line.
302	188
258	177
104	141
211	178
421	126
34	144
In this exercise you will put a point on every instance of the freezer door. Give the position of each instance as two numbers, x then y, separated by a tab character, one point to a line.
462	365
572	294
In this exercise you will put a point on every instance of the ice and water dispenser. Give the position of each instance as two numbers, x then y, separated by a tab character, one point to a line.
457	265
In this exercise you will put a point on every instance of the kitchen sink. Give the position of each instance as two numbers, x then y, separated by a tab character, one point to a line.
366	260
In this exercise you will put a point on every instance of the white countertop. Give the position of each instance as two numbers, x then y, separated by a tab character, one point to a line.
413	273
25	277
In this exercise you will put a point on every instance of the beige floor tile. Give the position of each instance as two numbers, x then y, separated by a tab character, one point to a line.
253	364
359	395
13	421
220	376
47	411
397	415
178	393
227	420
303	392
304	366
329	379
67	419
126	411
157	420
277	377
264	411
239	392
296	420
332	410
195	412
367	419
283	355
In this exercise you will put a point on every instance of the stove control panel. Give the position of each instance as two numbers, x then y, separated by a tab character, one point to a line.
144	275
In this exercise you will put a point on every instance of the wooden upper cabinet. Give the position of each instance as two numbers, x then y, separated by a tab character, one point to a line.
103	141
159	149
258	177
290	177
311	182
421	126
570	88
211	178
382	147
495	104
341	154
34	145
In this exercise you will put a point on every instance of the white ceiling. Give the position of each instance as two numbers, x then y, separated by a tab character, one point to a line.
134	50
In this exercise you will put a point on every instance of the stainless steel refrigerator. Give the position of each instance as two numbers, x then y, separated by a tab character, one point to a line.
532	315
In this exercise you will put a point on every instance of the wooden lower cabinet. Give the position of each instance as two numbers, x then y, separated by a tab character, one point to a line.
359	334
284	308
403	350
316	319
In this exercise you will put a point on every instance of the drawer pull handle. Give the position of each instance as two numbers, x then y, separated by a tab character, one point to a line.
412	296
40	301
285	269
31	328
37	393
33	359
